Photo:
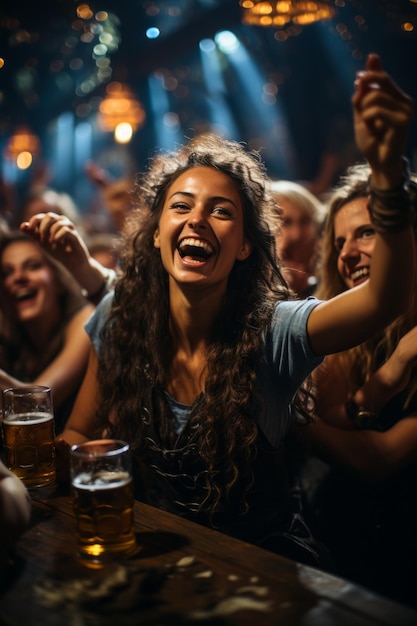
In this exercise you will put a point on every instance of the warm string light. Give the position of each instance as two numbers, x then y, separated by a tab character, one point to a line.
281	13
120	112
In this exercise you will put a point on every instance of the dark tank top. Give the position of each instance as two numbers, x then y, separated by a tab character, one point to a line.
173	477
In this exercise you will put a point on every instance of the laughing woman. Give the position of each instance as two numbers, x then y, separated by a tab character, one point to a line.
42	338
197	357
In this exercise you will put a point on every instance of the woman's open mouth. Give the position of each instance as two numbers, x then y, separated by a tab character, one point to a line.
360	275
195	250
25	296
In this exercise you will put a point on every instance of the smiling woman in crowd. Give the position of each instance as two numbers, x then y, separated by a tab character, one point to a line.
198	354
363	498
42	338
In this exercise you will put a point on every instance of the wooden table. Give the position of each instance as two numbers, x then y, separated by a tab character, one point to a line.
184	574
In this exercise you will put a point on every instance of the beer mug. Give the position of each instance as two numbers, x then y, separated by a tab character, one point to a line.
101	480
29	434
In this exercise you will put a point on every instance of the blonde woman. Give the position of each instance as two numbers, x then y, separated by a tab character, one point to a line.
297	222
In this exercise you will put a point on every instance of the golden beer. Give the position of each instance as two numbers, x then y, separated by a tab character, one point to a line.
29	447
103	506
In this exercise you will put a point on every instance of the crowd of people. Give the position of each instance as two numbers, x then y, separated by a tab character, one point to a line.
253	344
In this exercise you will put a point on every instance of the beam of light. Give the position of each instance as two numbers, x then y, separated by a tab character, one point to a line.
221	117
63	151
266	122
340	56
167	130
83	137
226	41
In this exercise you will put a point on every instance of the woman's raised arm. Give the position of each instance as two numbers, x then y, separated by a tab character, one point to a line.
382	114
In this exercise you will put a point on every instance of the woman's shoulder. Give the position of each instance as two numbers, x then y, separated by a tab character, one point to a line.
85	310
288	336
96	321
104	306
292	310
80	316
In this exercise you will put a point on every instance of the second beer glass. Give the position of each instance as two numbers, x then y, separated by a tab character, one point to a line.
29	435
101	480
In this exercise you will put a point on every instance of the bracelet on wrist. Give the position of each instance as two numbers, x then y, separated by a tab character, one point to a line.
109	280
392	210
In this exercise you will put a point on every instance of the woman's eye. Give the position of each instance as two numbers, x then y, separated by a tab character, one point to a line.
218	210
368	233
338	244
180	206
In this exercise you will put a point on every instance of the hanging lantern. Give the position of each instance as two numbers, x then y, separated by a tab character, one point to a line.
22	147
120	112
281	13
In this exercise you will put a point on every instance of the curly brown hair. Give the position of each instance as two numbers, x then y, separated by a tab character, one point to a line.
134	363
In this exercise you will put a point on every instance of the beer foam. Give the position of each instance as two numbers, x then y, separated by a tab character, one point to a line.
28	419
101	480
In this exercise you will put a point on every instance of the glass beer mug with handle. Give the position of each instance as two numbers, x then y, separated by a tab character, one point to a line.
29	435
101	480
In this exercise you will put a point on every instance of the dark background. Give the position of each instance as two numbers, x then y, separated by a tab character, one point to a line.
310	138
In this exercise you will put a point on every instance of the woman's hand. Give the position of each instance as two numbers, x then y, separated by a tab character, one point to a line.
59	236
61	239
382	114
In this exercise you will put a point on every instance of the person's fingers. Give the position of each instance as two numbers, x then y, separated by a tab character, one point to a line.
63	237
373	62
32	225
